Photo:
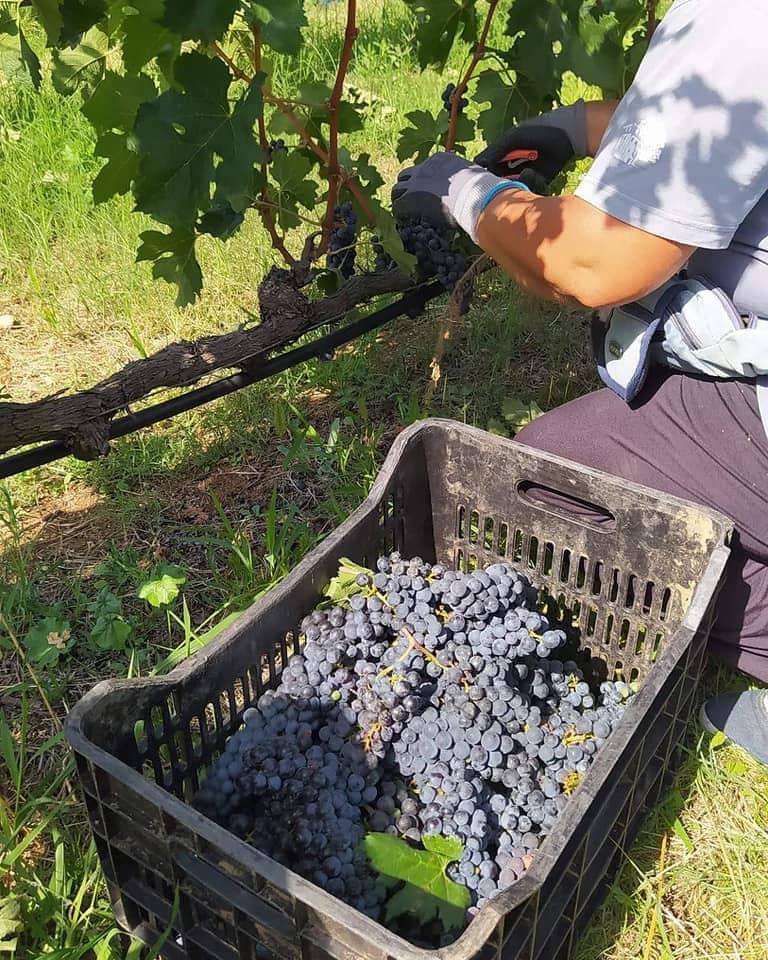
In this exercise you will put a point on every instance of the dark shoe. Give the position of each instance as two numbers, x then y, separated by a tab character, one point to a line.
742	717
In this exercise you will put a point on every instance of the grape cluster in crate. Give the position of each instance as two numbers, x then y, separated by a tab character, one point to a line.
428	715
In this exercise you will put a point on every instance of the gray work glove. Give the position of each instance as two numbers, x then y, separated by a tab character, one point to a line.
541	147
446	190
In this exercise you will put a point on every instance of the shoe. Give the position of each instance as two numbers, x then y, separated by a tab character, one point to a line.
743	718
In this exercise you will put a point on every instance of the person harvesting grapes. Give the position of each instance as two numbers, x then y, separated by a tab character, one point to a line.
666	238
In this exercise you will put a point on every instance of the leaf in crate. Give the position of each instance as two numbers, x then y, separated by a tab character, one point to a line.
344	584
428	891
449	847
163	588
518	413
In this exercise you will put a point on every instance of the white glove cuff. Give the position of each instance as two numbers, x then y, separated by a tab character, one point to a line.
469	203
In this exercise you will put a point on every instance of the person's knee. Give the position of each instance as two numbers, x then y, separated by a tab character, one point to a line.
548	432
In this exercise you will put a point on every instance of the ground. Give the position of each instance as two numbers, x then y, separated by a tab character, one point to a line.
229	497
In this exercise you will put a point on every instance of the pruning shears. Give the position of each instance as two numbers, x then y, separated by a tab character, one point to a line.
518	158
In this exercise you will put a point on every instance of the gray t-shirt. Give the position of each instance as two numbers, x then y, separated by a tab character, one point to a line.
686	154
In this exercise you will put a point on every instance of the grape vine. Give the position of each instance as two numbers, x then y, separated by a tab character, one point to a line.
185	77
191	121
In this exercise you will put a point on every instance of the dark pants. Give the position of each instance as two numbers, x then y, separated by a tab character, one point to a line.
698	439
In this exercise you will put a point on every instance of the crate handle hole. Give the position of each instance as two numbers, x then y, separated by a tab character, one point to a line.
566	506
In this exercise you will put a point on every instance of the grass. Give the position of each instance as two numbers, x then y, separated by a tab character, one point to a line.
217	505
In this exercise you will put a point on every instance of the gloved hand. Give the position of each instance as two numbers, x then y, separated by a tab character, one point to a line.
445	189
557	137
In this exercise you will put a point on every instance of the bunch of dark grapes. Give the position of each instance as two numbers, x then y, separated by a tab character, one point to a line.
383	260
431	702
431	245
275	146
447	96
342	251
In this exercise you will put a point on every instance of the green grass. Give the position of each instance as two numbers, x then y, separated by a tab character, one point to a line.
235	493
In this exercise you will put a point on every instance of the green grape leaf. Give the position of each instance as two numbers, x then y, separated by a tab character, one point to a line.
439	23
364	171
177	136
30	59
199	19
465	129
18	61
595	52
429	892
78	16
239	149
343	585
390	239
174	261
281	22
532	54
143	35
117	174
448	847
314	94
163	588
350	117
221	220
83	67
115	100
49	15
289	170
48	639
507	107
418	140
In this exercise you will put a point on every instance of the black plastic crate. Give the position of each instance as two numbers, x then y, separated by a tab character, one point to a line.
638	586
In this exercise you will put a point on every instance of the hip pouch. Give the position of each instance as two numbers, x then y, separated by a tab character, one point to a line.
689	325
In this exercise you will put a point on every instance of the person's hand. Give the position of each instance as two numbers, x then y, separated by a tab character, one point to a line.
445	189
541	147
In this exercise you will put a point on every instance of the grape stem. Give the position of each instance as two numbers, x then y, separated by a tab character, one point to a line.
266	210
342	177
334	170
477	56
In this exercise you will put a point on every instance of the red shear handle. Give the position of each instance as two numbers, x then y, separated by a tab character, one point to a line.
514	155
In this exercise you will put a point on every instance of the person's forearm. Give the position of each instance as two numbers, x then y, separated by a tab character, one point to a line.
598	115
519	230
564	249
